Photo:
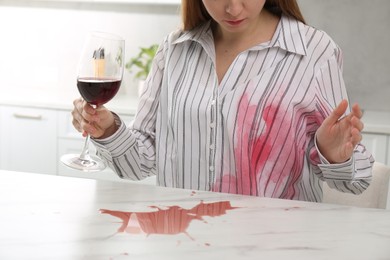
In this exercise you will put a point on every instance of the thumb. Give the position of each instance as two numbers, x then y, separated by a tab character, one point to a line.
338	112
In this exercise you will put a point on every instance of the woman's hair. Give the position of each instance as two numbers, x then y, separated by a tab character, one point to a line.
194	13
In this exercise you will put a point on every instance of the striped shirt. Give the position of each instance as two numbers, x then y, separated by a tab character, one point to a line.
254	132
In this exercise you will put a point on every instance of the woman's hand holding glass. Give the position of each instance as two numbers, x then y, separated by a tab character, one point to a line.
97	122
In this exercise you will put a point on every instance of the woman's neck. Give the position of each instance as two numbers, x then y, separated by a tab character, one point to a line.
259	31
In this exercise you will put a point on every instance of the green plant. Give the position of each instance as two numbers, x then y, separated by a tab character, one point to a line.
141	63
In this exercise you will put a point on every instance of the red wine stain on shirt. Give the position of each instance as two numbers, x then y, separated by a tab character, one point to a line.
269	149
170	221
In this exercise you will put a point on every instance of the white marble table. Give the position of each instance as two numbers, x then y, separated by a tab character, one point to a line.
53	217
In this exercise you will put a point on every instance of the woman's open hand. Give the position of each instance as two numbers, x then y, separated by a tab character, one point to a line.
337	137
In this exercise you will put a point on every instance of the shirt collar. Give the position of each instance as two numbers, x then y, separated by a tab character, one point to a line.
289	35
201	34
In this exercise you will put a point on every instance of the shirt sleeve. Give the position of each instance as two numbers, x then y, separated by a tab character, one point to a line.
130	152
354	175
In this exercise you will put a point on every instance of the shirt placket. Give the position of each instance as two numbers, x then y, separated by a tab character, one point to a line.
213	134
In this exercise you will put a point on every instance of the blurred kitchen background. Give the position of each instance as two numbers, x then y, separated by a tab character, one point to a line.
40	43
41	40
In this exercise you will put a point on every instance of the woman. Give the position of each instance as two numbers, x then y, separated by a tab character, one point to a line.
244	99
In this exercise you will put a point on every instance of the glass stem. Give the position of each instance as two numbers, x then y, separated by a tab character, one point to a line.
85	152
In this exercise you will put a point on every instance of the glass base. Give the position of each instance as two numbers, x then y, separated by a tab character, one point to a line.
91	164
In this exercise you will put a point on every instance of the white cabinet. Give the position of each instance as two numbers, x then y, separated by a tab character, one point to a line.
28	139
34	139
378	145
376	134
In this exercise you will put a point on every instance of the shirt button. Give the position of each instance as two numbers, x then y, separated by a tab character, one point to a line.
211	168
212	147
213	102
212	125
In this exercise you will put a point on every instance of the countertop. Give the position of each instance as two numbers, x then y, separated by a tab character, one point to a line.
375	121
55	217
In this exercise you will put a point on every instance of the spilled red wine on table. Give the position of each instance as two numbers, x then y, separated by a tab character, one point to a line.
98	91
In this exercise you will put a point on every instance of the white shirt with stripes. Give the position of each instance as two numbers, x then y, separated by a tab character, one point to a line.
254	132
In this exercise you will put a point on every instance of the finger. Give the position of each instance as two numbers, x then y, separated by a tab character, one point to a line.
78	105
349	148
88	108
356	137
89	113
357	123
77	101
338	112
78	122
356	110
85	133
77	118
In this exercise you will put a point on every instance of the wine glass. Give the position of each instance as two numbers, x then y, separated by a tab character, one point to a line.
100	72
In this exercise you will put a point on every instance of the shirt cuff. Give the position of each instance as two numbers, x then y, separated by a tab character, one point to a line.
109	143
339	171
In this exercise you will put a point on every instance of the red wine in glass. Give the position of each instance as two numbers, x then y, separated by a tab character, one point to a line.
99	77
98	91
